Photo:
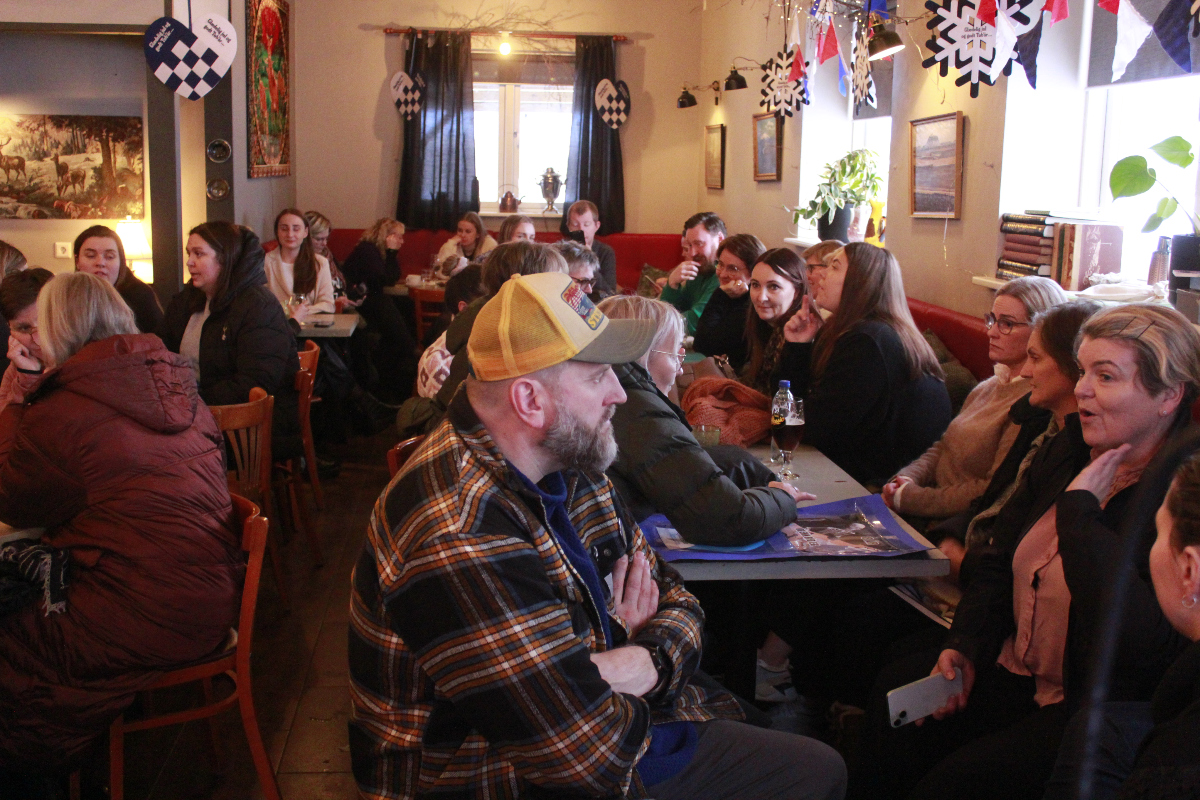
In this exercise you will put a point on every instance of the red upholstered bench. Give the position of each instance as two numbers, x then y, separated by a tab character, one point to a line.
965	336
633	250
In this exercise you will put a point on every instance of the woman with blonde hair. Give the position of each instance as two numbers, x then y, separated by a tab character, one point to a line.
471	240
12	260
112	453
874	395
517	228
373	264
957	468
661	468
1023	634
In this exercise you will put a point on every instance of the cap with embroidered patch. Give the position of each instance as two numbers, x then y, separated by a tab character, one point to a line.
537	321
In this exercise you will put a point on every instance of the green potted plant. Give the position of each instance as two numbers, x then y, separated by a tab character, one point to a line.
845	184
1132	176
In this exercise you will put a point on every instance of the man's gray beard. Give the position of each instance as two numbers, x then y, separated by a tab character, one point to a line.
576	446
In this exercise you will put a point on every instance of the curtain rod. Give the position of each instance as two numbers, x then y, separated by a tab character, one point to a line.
495	32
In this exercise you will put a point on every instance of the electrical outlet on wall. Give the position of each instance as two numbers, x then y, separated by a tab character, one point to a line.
62	249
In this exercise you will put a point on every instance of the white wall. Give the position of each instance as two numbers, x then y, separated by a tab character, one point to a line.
348	131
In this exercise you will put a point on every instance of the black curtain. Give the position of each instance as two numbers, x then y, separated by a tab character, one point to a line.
594	170
437	168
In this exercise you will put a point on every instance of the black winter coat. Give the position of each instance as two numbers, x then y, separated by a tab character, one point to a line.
1168	766
660	467
1090	549
141	299
246	342
865	413
721	329
366	265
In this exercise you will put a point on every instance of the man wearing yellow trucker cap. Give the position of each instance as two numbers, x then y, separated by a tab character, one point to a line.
512	634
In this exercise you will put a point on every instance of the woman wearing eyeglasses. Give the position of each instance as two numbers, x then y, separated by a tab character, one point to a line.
661	468
957	468
721	329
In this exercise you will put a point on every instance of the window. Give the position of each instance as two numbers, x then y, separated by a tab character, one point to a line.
1136	116
875	134
515	117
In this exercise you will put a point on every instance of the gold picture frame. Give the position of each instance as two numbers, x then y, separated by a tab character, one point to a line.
768	146
714	156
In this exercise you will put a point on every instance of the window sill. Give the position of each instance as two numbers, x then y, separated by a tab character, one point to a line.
987	283
494	214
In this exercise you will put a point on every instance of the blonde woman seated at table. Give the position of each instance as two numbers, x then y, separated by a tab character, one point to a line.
956	469
517	228
113	453
298	277
661	468
471	240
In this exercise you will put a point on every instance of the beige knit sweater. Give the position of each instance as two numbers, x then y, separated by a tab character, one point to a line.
958	467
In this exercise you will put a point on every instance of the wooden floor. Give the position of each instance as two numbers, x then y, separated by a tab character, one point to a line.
300	681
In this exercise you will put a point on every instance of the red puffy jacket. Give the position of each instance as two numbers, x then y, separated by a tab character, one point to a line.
114	454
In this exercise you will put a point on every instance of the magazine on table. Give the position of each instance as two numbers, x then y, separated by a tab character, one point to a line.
857	527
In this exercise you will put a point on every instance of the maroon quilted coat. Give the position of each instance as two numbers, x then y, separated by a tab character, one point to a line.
117	458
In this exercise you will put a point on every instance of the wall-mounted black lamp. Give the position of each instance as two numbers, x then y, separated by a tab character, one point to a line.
686	100
734	80
883	42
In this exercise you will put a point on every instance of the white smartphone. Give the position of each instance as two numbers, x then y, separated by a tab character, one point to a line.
919	699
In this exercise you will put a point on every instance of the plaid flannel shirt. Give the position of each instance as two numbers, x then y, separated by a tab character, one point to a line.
470	636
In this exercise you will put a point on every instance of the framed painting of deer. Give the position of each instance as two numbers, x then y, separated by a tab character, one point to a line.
58	166
268	115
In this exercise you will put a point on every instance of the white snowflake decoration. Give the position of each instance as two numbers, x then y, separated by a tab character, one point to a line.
864	82
958	32
778	93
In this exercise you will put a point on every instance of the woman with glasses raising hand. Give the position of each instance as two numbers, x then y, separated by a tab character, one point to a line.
957	468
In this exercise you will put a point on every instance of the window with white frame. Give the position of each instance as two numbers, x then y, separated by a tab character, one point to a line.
875	134
522	123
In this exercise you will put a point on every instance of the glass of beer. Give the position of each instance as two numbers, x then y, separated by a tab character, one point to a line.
786	432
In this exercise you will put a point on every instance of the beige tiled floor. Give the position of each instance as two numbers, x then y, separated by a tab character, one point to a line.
300	674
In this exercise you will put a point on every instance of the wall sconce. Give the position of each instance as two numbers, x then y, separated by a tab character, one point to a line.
687	99
883	42
734	80
138	254
505	45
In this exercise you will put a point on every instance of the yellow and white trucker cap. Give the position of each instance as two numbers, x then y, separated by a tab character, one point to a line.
537	321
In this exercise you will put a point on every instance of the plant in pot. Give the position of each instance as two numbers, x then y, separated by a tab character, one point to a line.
1132	176
847	183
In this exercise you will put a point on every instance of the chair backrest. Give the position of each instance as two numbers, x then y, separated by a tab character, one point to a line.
247	428
309	355
305	378
254	543
400	453
428	305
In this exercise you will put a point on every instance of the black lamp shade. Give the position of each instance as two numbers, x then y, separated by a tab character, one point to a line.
686	100
883	43
734	80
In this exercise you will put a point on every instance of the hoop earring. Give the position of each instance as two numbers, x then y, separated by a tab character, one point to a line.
1190	601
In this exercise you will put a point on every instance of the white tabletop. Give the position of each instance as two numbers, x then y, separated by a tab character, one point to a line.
343	325
817	474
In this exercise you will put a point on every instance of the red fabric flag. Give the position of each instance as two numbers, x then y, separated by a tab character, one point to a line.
987	12
1059	10
1109	5
827	44
797	65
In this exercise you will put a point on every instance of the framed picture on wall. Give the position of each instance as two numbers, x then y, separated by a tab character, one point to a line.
268	99
768	146
937	166
714	156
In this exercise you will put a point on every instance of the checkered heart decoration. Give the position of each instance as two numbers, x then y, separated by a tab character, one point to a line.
612	101
189	62
406	93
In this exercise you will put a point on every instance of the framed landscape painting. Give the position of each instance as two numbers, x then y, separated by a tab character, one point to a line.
268	95
768	145
937	165
65	166
714	156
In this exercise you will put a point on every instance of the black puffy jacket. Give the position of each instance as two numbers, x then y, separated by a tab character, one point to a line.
246	342
660	467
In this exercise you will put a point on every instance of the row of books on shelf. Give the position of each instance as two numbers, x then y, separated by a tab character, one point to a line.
1067	249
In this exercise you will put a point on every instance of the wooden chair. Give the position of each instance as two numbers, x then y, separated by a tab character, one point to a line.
234	663
429	305
247	429
400	453
291	474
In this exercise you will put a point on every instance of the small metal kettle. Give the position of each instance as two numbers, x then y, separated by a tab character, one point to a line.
509	203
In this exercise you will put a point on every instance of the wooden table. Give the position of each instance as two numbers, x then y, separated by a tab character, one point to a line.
342	327
816	474
401	290
820	476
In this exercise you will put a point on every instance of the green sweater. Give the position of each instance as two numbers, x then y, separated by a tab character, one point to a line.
691	298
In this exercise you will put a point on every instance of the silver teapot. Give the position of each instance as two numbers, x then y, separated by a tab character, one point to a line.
551	184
